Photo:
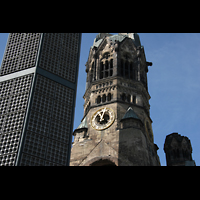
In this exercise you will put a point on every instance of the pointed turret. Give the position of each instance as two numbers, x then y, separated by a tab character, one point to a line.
130	114
131	119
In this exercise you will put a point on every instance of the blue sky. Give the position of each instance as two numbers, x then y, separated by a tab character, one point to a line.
173	81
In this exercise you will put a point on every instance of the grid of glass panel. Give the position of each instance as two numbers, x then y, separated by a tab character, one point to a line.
21	52
48	130
60	53
13	104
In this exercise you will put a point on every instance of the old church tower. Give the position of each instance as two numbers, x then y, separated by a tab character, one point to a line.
116	127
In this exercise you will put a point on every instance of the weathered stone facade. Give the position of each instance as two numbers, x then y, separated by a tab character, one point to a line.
178	150
116	80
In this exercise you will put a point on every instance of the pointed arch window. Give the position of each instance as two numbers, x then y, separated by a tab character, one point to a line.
104	98
99	99
106	65
131	70
109	97
106	68
125	69
128	69
128	98
101	70
123	97
91	72
111	63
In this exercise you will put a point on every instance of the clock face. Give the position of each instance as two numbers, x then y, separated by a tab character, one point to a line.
103	118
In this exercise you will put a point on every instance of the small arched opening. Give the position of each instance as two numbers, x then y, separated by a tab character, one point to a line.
104	98
123	97
98	99
109	97
128	98
105	163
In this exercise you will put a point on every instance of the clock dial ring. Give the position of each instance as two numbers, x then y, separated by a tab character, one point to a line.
102	118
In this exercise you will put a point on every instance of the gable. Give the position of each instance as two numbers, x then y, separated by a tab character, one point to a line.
102	44
100	150
127	45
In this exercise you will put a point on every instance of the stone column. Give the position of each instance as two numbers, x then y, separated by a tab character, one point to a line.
115	64
139	61
131	98
97	68
116	59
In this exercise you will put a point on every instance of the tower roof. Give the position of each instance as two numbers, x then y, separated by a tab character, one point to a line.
83	124
130	114
119	37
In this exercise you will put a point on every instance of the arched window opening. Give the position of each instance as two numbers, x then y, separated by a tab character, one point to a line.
122	68
111	67
111	72
126	65
134	99
131	70
106	69
126	69
134	71
102	66
98	99
109	97
111	63
91	75
123	97
106	74
94	70
129	98
104	98
101	70
106	65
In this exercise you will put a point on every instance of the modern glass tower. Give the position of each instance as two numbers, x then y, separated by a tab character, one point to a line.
38	82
